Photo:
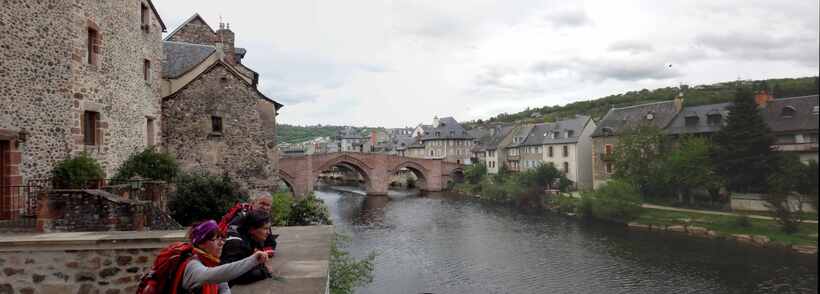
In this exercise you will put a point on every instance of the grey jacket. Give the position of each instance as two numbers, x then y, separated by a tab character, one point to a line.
196	273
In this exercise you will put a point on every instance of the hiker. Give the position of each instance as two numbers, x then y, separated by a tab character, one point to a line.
252	233
203	274
233	219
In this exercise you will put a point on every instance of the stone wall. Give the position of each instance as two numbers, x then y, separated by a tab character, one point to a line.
245	149
97	210
46	82
87	264
599	174
195	31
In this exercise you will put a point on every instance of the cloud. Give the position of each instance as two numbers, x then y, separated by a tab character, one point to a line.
568	17
749	45
631	46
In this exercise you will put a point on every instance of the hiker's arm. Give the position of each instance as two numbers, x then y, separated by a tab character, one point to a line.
258	273
196	273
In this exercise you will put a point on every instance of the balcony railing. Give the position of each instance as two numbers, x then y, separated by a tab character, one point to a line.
606	157
796	147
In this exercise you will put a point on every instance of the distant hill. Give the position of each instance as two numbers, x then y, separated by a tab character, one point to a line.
696	95
295	134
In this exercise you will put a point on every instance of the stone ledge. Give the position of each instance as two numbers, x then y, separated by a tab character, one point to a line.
89	240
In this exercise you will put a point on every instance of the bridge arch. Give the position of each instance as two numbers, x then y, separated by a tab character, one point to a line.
422	173
289	180
349	162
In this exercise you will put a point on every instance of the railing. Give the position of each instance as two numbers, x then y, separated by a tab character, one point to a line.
19	201
606	156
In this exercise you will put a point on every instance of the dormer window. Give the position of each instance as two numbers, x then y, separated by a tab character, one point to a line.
556	135
607	131
815	110
787	112
570	133
691	119
714	118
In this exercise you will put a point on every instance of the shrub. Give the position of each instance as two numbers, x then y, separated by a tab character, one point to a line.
309	211
347	273
200	196
149	164
77	172
617	201
494	191
743	221
474	173
281	208
566	204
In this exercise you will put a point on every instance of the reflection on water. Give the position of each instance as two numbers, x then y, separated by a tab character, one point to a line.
442	243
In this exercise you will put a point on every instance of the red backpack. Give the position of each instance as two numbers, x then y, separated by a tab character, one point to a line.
164	276
226	220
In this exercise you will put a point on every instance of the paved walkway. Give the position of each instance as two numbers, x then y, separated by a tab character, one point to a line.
652	206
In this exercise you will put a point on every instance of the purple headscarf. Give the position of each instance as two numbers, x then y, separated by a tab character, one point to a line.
201	231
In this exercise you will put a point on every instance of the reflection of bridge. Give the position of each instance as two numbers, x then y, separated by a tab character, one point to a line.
300	172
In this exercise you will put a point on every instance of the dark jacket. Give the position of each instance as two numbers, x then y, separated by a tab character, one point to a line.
236	222
238	247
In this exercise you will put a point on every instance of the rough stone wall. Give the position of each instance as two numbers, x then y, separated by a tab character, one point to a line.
599	174
196	31
449	150
94	210
110	271
246	147
46	82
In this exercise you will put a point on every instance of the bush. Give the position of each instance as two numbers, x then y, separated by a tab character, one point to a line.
347	273
200	196
566	204
743	221
493	191
309	211
148	164
474	173
616	201
281	208
77	172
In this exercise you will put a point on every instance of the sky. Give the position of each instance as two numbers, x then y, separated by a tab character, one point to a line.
396	63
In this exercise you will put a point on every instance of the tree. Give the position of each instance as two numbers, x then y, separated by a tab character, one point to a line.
790	177
77	172
347	273
689	166
743	154
200	196
638	157
474	173
149	164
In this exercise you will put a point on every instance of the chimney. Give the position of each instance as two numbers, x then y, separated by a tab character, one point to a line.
679	102
762	98
225	43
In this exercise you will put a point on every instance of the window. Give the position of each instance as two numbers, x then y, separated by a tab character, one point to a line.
570	133
145	18
93	46
714	118
216	124
550	151
566	167
787	112
608	149
90	126
691	120
149	131
608	168
146	70
566	151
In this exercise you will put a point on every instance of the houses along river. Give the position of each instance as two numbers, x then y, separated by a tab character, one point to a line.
444	243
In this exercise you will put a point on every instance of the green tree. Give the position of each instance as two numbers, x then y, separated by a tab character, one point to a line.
638	157
809	186
200	196
474	173
689	166
788	178
742	153
618	200
77	172
309	211
347	273
280	208
149	164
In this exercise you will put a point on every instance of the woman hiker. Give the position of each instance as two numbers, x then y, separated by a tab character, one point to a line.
250	238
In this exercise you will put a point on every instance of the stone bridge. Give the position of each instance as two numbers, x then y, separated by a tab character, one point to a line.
301	172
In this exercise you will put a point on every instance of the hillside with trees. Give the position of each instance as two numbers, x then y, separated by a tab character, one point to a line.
295	134
694	95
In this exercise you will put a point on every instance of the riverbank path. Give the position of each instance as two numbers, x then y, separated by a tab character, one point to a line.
669	208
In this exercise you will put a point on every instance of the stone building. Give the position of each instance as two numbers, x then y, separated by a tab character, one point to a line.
565	144
494	155
214	117
794	123
76	76
447	139
512	151
619	120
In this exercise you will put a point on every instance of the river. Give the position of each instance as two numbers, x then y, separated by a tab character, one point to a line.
444	243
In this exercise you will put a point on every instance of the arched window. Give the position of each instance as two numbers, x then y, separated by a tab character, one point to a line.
787	112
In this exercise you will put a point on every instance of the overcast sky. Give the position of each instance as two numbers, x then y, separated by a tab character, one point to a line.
399	63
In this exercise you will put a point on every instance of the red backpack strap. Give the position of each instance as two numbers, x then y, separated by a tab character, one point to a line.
178	275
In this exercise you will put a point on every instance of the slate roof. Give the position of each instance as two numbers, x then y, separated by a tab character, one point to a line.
182	57
447	129
803	117
501	132
701	124
523	132
543	133
621	119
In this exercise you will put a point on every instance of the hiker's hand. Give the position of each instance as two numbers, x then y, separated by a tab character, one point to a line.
261	257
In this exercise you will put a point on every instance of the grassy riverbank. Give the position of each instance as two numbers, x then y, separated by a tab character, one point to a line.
726	225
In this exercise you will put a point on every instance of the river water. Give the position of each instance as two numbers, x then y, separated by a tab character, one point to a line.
444	243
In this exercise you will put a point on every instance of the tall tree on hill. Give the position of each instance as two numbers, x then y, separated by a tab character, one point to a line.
743	153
